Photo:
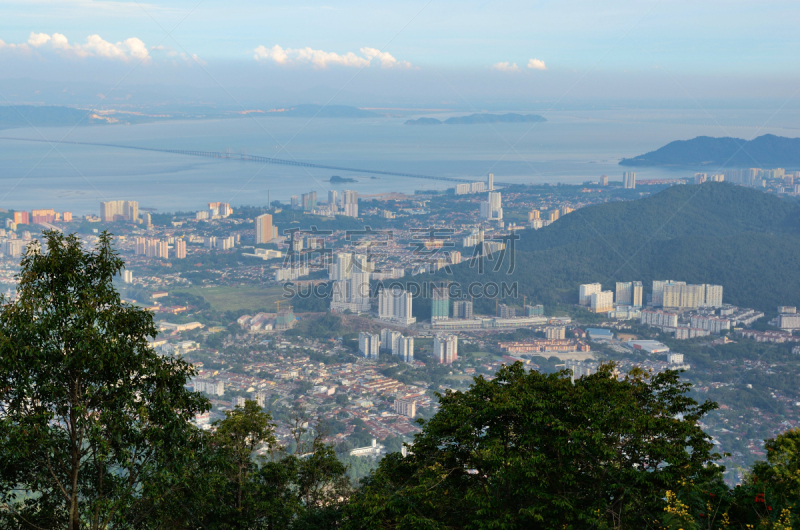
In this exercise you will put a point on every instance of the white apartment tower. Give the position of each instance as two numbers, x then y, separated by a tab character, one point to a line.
369	344
445	348
629	293
492	208
586	291
395	305
602	302
629	180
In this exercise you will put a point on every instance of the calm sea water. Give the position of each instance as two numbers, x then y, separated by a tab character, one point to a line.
570	147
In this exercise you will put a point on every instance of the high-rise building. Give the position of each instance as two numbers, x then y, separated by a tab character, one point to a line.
462	309
604	180
395	305
350	203
440	302
333	202
492	208
406	407
586	291
490	183
369	344
389	339
341	267
505	311
629	293
180	248
21	218
602	302
223	209
555	332
263	229
119	211
127	276
681	295
445	348
405	349
534	310
629	180
351	292
67	217
309	201
43	216
534	214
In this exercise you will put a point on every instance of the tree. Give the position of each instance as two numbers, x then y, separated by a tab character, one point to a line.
243	430
90	415
529	450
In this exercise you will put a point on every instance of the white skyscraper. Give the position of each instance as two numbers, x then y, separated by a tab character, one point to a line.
368	345
445	348
491	182
629	180
395	305
405	349
602	302
492	209
586	291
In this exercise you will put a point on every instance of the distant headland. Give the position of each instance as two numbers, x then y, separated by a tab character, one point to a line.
704	151
480	118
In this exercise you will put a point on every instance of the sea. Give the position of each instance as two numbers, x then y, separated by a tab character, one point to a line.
572	146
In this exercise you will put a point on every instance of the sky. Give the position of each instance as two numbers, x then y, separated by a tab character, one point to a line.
427	52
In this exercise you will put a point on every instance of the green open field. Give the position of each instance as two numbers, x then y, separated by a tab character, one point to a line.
248	297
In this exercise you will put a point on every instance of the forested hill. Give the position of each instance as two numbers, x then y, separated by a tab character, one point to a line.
744	239
767	151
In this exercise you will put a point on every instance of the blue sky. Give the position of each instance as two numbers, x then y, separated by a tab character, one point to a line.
630	46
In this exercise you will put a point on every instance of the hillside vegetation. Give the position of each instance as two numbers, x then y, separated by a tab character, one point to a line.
743	239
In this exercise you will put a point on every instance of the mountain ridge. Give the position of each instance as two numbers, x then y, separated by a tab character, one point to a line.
767	150
743	239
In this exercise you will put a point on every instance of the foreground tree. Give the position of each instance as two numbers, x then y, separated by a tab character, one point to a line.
90	416
242	479
529	450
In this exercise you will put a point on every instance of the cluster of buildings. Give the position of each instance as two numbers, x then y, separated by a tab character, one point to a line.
785	181
666	293
40	217
344	203
389	341
788	318
350	288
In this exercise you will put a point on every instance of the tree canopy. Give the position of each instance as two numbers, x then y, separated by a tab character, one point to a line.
528	450
91	415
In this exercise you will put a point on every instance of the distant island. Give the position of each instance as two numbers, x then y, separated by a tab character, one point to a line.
328	111
480	118
336	179
765	151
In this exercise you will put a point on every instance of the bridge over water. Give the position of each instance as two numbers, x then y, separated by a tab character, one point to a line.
250	158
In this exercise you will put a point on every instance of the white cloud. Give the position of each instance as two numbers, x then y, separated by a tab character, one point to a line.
15	47
506	67
323	59
536	64
95	46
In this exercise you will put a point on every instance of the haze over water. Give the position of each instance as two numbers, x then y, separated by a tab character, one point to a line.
571	147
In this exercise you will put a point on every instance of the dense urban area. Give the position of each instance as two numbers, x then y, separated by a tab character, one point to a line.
332	306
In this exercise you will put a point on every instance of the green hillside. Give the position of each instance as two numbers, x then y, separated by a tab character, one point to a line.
743	239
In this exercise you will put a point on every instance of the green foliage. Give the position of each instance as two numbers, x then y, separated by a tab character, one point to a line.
327	326
747	243
528	450
91	415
